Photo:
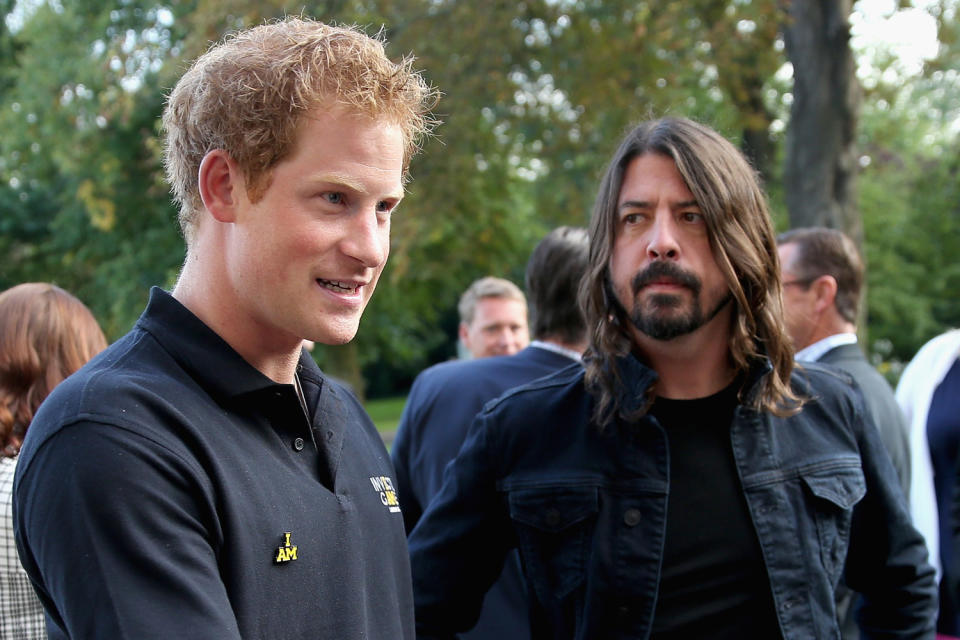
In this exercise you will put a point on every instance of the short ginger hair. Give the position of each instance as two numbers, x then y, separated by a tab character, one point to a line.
248	94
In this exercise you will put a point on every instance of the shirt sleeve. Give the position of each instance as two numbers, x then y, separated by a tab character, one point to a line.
120	534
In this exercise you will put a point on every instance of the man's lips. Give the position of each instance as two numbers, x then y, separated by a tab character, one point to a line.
666	282
341	286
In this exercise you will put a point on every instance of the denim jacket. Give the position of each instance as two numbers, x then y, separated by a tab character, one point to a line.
587	509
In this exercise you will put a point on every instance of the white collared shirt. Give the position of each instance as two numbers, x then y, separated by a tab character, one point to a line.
552	346
815	351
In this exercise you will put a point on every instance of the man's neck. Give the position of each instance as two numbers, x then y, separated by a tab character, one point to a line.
207	297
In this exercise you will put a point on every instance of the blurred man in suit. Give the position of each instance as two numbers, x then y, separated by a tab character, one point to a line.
445	398
822	280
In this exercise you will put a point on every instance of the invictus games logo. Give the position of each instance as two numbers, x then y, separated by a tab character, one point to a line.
388	495
287	551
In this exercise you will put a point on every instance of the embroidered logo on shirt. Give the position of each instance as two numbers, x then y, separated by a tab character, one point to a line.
287	552
388	495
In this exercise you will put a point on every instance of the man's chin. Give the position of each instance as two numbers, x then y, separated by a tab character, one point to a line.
665	324
665	302
334	336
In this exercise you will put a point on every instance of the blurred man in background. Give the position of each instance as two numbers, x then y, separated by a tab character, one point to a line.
445	398
493	318
823	278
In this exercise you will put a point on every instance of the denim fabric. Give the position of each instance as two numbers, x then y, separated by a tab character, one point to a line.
587	509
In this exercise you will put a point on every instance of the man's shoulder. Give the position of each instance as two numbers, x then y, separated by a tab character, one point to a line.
529	359
851	359
831	396
819	376
843	353
826	385
131	384
543	391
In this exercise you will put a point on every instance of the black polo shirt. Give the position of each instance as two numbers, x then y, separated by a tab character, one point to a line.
171	490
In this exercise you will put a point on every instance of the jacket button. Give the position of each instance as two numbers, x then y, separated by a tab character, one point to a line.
298	444
632	517
552	517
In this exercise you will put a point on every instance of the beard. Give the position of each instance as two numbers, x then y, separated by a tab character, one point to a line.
663	316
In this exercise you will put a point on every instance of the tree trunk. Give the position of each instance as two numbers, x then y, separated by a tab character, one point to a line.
821	162
343	363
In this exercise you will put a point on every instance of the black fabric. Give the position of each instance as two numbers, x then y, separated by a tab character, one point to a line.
943	437
171	490
587	508
713	583
440	407
881	403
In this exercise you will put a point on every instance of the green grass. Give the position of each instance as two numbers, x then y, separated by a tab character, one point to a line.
385	412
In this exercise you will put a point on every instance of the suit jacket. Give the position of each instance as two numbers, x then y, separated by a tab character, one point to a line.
892	425
440	408
881	404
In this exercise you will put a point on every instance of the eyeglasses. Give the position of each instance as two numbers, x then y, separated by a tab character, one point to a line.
799	283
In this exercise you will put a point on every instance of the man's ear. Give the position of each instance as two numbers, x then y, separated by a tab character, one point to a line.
825	288
221	185
463	333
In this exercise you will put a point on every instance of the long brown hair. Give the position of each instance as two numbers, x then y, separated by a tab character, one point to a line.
45	335
742	240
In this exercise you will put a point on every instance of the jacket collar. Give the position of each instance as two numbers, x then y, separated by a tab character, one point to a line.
636	378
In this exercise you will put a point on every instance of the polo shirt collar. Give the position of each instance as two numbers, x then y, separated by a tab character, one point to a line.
202	353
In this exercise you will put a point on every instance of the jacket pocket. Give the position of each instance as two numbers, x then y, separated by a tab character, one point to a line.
835	492
554	530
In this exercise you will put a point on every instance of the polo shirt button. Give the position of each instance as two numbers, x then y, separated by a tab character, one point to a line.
298	444
632	517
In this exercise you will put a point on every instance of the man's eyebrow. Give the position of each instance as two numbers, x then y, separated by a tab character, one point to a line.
348	182
643	204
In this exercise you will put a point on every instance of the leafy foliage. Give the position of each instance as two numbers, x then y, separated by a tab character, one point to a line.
536	95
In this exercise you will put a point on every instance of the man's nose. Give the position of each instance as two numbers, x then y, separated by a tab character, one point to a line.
662	238
368	240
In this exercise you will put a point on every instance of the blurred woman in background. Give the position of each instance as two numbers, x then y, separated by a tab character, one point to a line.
45	335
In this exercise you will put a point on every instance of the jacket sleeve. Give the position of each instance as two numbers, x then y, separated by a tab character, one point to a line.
401	454
117	533
458	548
887	559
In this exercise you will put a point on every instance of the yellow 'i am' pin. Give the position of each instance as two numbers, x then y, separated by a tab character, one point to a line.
287	552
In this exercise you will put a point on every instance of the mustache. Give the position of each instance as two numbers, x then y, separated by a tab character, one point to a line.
658	270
